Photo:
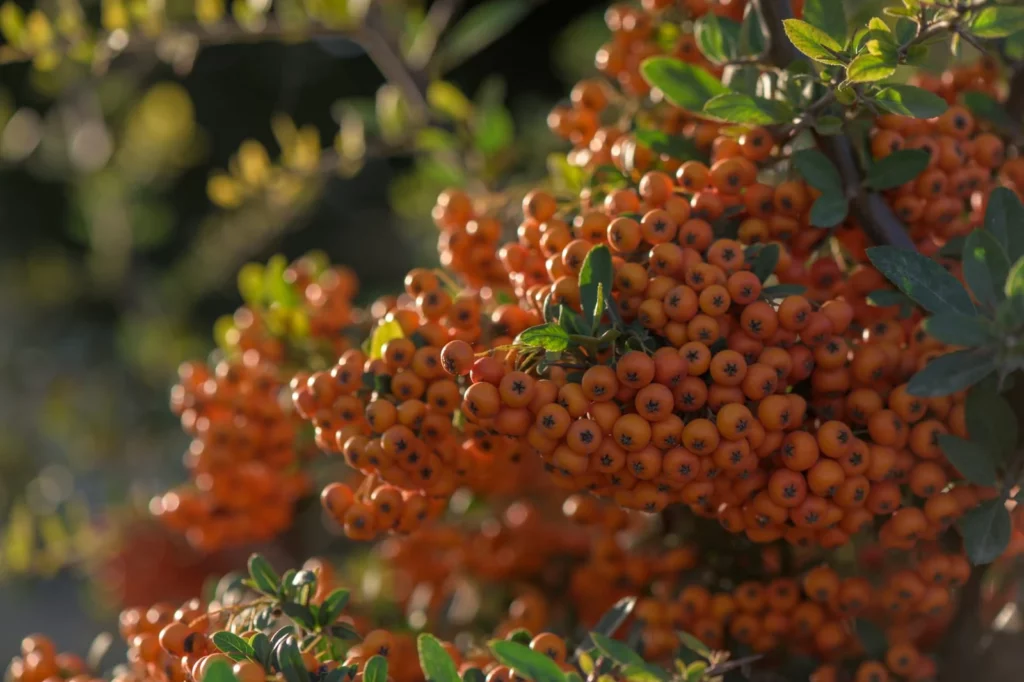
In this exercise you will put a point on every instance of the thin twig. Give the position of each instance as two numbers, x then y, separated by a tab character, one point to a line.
870	209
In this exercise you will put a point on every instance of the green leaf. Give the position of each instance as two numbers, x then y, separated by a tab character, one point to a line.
708	32
376	670
828	16
910	100
685	85
609	622
897	169
736	107
765	260
695	671
332	607
493	129
887	297
264	578
970	459
717	37
991	421
521	635
387	330
693	643
289	660
952	372
987	107
617	651
531	664
643	673
276	288
985	267
829	209
219	671
676	146
958	329
926	282
997	21
752	38
233	645
986	530
300	614
1014	287
779	291
446	98
481	26
595	282
261	651
1004	220
818	171
813	42
473	675
871	637
435	662
867	68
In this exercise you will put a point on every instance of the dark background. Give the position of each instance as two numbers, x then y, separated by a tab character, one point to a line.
87	351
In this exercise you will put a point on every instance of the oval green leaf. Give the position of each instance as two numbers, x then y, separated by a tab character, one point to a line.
958	329
531	664
736	107
897	169
985	267
820	173
925	281
986	530
868	68
950	373
970	459
910	100
813	42
436	664
685	85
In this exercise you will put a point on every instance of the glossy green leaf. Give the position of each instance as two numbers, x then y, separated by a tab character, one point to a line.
387	330
829	210
952	372
997	21
971	459
219	671
814	42
765	260
827	15
693	643
991	421
533	665
752	38
868	68
685	85
473	675
985	267
376	669
676	146
736	107
617	651
820	173
300	613
958	329
436	664
1004	220
550	337
707	30
595	282
1014	287
986	530
910	100
925	281
289	660
987	107
332	607
481	26
263	576
610	621
899	168
233	645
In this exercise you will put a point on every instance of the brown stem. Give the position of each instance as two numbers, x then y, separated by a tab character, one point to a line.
870	209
